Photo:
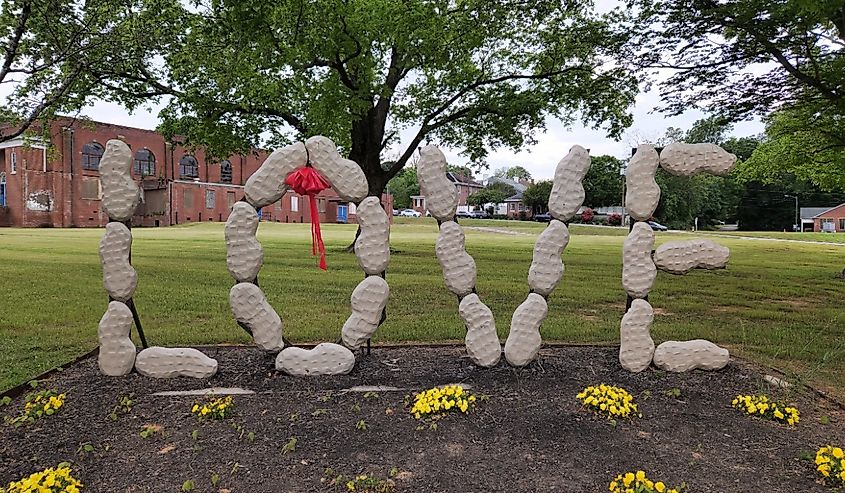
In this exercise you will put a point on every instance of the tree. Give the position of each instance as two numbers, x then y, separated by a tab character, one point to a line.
495	193
47	48
536	196
744	57
402	186
603	182
518	173
473	75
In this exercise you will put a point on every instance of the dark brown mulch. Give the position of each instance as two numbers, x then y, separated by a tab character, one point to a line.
530	436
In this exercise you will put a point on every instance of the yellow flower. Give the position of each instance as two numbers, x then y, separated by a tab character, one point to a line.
628	479
659	487
640	476
837	452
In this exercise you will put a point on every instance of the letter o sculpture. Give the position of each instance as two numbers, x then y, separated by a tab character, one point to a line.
244	257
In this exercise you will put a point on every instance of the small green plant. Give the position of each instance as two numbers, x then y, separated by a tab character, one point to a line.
215	479
188	485
5	401
84	448
825	420
325	397
361	425
124	406
38	405
294	417
371	395
195	434
289	446
356	408
149	430
319	412
674	392
250	436
361	483
213	408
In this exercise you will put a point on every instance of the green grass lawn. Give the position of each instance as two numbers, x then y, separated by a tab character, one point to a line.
779	235
778	302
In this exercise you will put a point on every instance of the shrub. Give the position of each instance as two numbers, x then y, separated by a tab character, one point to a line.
50	480
442	400
762	406
614	219
218	408
638	483
587	215
609	400
830	464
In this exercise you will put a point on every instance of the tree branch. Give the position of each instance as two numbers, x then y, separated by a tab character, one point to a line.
12	47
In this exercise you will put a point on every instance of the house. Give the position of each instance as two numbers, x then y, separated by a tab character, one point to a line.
466	186
55	181
515	208
828	220
501	209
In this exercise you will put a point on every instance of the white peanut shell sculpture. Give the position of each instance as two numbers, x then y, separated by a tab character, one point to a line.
459	270
640	264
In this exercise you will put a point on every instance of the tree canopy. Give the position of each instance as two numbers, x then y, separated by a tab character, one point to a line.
473	75
494	193
603	182
536	196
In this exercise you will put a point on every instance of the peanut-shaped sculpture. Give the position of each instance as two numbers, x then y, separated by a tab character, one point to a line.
372	248
482	342
117	351
161	362
638	269
680	257
324	359
690	355
567	191
345	176
244	255
441	195
637	346
119	277
688	159
643	193
524	340
458	266
251	309
546	269
121	195
267	185
368	301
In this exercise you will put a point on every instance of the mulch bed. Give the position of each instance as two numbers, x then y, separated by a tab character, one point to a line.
531	435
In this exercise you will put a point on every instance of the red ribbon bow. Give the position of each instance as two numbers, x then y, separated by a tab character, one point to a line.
306	181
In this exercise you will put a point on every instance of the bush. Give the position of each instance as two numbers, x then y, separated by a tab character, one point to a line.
614	219
587	215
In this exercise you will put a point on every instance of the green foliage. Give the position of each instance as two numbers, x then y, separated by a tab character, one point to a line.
494	193
514	173
603	182
289	446
403	186
473	75
536	196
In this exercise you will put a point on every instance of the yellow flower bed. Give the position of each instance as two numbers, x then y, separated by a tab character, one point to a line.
39	404
612	401
451	398
761	405
51	480
637	482
217	408
830	463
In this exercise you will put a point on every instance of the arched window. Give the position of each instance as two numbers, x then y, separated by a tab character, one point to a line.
188	167
91	154
2	189
225	171
145	163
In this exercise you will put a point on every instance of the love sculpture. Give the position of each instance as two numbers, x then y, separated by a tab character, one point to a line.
318	159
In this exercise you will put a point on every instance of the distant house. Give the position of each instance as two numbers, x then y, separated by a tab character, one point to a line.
466	186
516	209
829	220
501	209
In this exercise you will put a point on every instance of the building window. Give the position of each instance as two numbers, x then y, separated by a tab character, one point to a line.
92	152
321	205
14	162
294	203
209	199
90	189
2	189
188	167
188	199
230	199
145	163
225	171
842	223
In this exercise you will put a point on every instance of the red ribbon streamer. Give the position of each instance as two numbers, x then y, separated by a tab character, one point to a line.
306	181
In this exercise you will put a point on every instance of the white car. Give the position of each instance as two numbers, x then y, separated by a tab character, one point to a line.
410	213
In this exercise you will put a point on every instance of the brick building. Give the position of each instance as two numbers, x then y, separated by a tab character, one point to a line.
466	186
56	182
828	220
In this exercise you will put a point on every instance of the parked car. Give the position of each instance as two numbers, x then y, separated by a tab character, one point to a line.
655	226
410	213
463	214
543	218
395	212
479	215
